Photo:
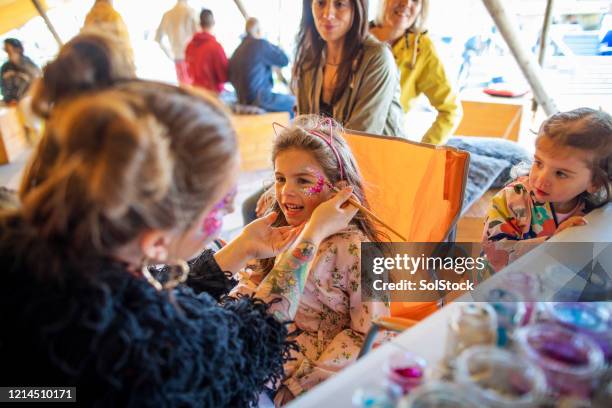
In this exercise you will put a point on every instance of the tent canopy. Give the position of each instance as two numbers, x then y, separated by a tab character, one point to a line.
15	13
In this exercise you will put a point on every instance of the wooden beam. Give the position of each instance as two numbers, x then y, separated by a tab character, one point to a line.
526	61
242	9
543	42
43	14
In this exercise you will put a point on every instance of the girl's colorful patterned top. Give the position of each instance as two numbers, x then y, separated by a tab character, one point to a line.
516	222
331	318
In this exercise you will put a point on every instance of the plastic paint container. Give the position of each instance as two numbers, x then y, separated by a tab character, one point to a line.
470	324
571	361
527	287
406	370
500	378
383	395
510	312
440	395
593	319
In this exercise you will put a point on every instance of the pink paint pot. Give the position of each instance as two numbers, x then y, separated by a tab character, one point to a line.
571	361
405	370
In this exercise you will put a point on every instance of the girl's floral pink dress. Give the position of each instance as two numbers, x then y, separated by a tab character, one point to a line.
331	318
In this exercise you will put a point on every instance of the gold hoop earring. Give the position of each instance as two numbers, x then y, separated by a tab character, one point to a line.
174	280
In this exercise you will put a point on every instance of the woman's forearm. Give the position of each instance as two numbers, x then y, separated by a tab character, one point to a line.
232	257
286	281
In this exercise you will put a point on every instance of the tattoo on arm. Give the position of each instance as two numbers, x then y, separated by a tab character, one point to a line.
287	280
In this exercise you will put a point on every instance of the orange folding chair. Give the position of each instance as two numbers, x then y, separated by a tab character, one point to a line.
418	189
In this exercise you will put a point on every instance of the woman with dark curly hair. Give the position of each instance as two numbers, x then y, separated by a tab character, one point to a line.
137	175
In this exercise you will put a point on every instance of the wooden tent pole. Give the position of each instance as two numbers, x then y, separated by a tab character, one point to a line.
527	62
543	42
242	9
43	14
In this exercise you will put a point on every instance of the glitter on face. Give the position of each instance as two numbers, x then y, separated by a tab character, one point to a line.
214	220
317	188
213	223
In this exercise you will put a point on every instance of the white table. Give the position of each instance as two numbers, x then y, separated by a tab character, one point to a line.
428	338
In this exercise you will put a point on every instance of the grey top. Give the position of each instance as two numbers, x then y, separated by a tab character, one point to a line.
371	102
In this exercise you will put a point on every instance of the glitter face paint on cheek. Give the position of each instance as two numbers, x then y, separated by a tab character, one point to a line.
318	187
212	224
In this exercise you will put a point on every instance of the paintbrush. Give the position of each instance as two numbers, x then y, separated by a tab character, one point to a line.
356	203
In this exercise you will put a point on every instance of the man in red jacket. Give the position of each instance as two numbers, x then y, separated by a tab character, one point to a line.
206	60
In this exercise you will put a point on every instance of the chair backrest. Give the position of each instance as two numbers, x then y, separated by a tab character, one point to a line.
415	187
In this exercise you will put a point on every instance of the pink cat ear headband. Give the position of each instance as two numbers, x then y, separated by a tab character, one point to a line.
329	139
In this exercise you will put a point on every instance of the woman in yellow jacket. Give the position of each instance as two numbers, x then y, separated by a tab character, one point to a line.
102	17
401	24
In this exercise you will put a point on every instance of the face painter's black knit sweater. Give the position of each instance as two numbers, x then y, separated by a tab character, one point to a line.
120	342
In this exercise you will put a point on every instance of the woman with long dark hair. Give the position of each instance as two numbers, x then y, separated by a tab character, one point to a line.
343	72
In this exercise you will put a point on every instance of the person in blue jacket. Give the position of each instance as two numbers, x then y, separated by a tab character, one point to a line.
250	71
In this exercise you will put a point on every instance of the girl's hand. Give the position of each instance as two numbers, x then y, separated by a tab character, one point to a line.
330	217
574	221
264	241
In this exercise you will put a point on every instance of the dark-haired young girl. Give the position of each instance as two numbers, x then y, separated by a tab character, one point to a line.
571	174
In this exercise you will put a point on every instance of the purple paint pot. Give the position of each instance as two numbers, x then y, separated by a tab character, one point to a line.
572	362
500	378
593	319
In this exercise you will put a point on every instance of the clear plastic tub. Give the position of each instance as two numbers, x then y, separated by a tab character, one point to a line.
571	361
525	285
470	324
593	319
440	395
382	395
405	370
500	378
